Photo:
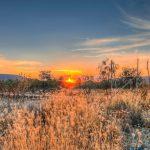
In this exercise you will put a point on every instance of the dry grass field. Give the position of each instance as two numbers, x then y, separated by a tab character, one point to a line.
79	120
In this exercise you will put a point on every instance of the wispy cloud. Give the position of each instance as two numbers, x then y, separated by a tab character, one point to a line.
107	41
137	23
93	42
125	44
107	50
103	46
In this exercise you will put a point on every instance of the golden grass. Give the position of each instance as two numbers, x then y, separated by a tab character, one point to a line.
70	120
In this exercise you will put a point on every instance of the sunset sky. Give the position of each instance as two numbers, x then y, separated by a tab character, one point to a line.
72	34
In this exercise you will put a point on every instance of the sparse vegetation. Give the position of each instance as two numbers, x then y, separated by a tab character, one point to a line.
19	87
129	79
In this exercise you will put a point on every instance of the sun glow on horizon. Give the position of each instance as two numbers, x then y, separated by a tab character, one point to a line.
70	81
69	71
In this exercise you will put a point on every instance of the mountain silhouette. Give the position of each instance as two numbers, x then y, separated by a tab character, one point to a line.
9	77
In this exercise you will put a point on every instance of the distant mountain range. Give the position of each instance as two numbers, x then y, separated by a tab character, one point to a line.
146	79
9	76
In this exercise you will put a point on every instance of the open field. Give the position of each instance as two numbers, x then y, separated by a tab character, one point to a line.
77	119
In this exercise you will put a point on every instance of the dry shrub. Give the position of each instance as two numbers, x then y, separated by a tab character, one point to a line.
130	109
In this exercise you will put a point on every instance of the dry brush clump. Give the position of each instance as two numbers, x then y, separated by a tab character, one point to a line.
132	113
65	121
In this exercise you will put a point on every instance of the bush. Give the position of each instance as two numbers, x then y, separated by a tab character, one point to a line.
129	116
36	85
136	118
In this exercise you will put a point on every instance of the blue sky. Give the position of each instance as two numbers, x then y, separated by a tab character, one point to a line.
62	32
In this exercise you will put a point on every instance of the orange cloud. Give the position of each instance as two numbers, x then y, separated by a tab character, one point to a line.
18	66
69	71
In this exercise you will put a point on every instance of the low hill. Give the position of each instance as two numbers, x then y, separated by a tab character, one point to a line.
9	76
146	79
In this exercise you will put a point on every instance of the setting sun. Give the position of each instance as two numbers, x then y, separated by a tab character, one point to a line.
70	80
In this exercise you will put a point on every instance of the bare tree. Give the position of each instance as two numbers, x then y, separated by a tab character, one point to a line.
107	70
45	75
148	71
137	68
